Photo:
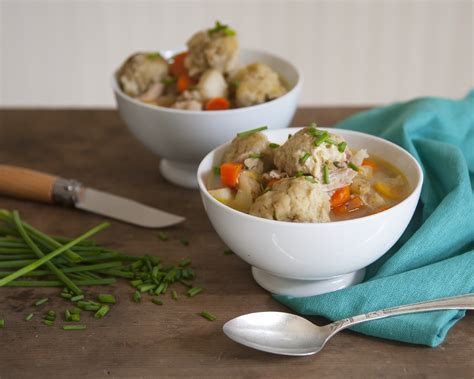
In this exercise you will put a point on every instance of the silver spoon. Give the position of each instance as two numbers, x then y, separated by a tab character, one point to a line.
288	334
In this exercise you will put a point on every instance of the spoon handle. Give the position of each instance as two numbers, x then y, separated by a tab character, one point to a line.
457	302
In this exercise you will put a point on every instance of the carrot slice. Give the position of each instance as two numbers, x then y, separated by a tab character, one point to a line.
370	163
340	196
230	173
351	205
178	68
217	104
184	82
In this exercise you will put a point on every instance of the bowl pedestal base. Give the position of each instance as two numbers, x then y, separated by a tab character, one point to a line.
300	288
181	174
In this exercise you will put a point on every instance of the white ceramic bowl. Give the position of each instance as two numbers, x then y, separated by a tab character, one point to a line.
182	138
301	259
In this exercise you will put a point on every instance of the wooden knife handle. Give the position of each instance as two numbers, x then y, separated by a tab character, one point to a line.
22	183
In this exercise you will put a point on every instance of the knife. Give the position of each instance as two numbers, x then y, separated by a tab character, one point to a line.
27	184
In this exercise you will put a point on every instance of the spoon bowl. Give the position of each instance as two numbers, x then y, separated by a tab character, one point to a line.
288	334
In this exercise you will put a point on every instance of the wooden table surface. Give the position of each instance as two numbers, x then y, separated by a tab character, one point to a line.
145	340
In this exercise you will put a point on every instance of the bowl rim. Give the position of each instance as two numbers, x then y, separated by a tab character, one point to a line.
414	193
299	82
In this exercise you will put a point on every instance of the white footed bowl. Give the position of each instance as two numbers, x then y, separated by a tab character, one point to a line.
303	259
182	138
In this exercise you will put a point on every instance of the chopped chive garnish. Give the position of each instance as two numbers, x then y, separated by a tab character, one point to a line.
75	311
325	174
299	173
228	252
51	313
353	166
48	322
146	287
41	301
216	170
185	262
91	307
256	155
103	310
321	138
77	298
136	282
174	295
2	323
330	141
50	318
342	146
67	315
163	236
184	241
153	56
137	297
221	28
252	131
74	327
310	179
106	298
65	295
273	145
29	317
304	158
194	291
136	265
169	80
156	301
75	317
208	316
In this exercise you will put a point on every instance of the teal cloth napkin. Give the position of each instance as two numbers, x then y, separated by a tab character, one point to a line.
435	256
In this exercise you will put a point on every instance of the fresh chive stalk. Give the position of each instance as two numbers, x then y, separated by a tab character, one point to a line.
77	298
41	301
103	310
193	291
106	298
48	322
216	170
353	166
321	138
325	174
342	146
29	316
256	155
304	158
174	295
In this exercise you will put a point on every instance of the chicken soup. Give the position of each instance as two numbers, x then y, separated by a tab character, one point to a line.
313	177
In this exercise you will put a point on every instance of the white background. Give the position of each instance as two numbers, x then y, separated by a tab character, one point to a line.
62	53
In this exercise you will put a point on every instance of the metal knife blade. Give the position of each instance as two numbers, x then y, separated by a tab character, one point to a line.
124	209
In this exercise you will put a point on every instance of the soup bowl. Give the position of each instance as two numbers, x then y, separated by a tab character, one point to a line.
303	259
182	137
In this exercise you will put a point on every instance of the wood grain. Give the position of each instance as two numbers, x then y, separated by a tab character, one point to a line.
145	340
26	184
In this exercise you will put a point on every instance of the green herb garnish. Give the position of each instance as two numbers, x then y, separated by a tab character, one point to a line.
299	173
325	174
103	310
156	301
321	138
221	28
169	80
208	316
256	155
310	179
41	301
106	298
194	291
2	323
304	158
29	317
330	141
153	56
273	145
342	147
74	327
77	298
48	322
216	170
353	166
251	131
162	236
137	297
174	295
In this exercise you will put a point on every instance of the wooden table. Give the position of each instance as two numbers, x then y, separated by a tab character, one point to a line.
146	340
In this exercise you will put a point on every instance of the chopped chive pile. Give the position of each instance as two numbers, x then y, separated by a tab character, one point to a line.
208	316
34	259
318	140
252	131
